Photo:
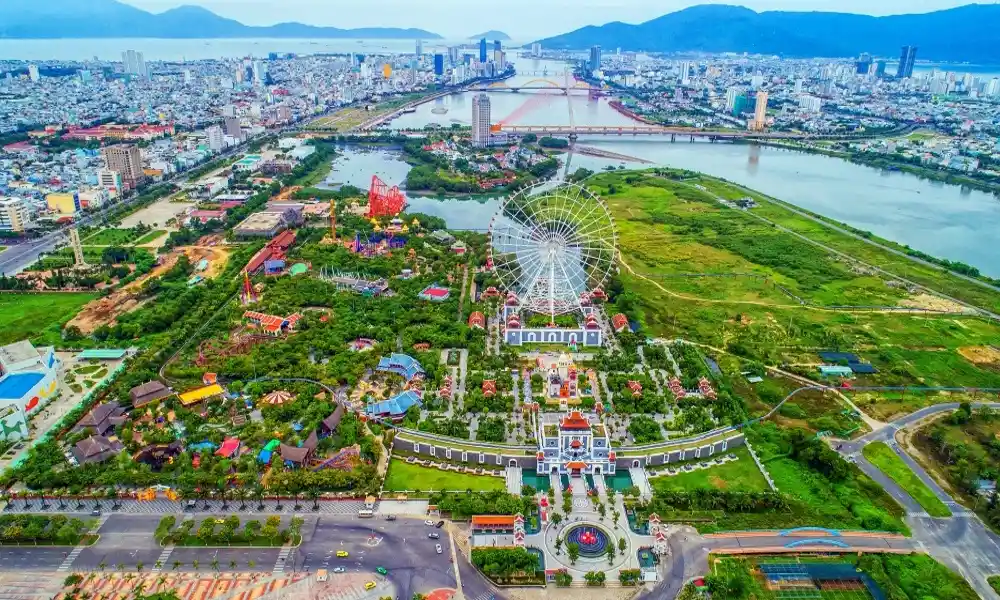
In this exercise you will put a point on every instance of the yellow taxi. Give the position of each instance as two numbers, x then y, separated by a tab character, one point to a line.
342	554
370	585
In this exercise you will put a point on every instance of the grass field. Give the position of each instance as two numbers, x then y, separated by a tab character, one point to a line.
898	576
110	237
880	455
150	237
739	475
403	476
995	583
782	313
38	317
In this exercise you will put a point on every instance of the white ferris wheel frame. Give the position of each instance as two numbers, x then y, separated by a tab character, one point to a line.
532	261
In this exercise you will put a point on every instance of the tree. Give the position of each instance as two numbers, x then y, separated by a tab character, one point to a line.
139	566
559	543
177	565
573	550
556	518
611	553
622	545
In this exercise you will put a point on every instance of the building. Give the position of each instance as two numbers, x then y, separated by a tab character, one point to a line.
760	112
481	121
33	73
420	49
14	215
150	391
536	50
216	138
232	126
394	408
64	204
880	69
110	181
133	63
731	96
102	419
810	103
573	446
438	64
96	448
907	57
594	64
28	376
863	64
126	160
482	51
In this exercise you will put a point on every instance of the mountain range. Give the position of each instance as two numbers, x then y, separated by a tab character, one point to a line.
51	19
968	33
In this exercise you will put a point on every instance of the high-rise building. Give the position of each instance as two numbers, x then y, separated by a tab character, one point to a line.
685	73
536	50
907	57
798	86
863	64
33	73
233	127
731	95
126	160
110	181
420	49
453	55
880	69
14	214
438	64
757	80
133	63
216	138
810	103
595	58
760	112
497	46
993	88
482	50
481	121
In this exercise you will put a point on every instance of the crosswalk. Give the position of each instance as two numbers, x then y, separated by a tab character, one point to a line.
68	562
162	559
279	563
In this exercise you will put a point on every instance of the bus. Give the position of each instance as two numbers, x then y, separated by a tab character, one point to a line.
366	513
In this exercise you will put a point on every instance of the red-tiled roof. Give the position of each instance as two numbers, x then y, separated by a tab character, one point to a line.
574	420
492	521
576	464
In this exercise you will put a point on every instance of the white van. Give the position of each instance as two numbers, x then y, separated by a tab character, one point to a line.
366	513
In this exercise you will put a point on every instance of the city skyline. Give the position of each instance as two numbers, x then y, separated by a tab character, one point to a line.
450	19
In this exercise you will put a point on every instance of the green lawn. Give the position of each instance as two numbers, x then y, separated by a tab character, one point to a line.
150	237
995	583
739	475
889	463
38	317
403	476
110	237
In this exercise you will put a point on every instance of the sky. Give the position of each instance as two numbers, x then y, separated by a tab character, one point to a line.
523	20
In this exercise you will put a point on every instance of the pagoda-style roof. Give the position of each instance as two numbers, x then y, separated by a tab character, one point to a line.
574	421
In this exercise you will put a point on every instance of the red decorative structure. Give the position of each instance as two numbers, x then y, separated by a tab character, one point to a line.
384	201
248	294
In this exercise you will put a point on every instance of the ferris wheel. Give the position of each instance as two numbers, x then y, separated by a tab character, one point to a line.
552	245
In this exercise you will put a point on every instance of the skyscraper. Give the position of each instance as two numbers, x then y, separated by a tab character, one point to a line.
133	63
481	121
760	112
906	59
439	64
880	69
482	50
33	73
233	127
731	95
13	214
126	160
216	141
497	46
420	48
536	50
595	58
863	64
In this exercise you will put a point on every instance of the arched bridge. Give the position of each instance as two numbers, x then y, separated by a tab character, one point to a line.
643	129
538	84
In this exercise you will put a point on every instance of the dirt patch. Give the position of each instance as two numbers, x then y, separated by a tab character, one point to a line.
718	482
935	303
981	355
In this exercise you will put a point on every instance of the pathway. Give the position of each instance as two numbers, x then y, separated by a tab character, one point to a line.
639	480
514	481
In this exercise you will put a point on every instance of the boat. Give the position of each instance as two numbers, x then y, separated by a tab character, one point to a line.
439	110
409	110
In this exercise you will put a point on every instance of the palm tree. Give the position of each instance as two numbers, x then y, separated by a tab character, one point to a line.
177	565
61	496
215	564
120	567
298	505
139	566
195	563
232	565
158	565
313	495
242	495
102	566
224	492
251	564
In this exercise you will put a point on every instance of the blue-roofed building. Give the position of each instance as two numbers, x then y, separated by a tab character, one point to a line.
401	364
394	408
28	381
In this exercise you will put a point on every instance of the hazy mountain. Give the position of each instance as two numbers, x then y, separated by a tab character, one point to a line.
491	35
113	19
968	33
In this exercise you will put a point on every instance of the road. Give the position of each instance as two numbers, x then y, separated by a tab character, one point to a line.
962	541
17	258
402	547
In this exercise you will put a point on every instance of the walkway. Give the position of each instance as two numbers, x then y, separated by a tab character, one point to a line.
639	480
514	480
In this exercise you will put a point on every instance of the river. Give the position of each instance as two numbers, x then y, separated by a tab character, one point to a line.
942	220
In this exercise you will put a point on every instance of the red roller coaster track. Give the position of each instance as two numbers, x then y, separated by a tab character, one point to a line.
384	201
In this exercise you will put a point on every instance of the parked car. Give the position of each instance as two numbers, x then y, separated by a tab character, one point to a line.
439	524
340	570
434	536
428	522
342	554
438	549
390	517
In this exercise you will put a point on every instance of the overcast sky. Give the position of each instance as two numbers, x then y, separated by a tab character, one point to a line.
521	19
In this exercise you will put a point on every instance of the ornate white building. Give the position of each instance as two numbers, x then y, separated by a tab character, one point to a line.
574	446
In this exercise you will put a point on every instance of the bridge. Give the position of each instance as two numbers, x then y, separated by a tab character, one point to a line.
673	132
541	83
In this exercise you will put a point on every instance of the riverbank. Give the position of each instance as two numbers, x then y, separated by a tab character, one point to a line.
948	177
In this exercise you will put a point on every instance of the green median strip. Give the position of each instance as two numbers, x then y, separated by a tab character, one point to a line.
882	456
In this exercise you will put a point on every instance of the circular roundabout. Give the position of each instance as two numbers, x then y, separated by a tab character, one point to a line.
592	540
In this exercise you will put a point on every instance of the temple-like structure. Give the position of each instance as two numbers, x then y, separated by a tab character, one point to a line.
573	445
